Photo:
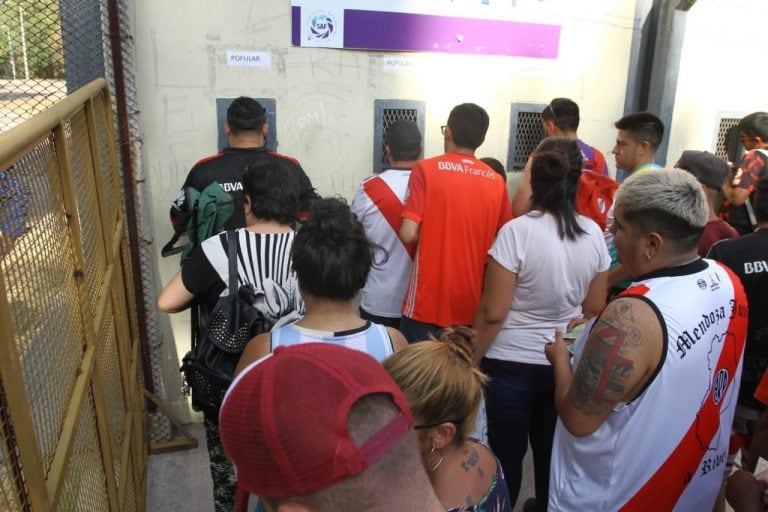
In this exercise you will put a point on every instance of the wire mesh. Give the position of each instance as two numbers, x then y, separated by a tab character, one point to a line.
108	367
81	169
84	482
48	48
109	171
42	296
12	495
31	59
527	136
51	314
388	118
724	127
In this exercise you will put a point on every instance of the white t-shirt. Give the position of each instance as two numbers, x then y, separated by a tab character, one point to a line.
553	276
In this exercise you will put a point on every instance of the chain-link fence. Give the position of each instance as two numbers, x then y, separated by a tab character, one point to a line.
50	48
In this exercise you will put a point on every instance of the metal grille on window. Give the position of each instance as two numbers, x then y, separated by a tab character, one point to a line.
391	115
387	112
525	133
268	104
727	145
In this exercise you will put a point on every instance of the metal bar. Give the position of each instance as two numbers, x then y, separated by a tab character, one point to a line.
102	426
132	217
14	141
125	459
98	178
18	406
57	473
55	477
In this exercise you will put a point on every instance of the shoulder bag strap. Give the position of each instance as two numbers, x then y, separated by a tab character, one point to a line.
232	254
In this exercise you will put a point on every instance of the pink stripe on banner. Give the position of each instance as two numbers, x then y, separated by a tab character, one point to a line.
393	31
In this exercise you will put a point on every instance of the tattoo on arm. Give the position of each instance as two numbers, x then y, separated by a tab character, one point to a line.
607	363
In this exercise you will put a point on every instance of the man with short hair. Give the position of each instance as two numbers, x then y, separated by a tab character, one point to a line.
711	172
753	134
561	119
638	138
246	129
456	205
378	203
321	427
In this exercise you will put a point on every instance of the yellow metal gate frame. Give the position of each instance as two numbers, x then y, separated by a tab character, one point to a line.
72	429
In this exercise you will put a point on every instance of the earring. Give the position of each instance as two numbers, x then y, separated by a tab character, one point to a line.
429	458
648	257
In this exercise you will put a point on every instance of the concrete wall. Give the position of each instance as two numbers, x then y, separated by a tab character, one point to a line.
325	97
722	71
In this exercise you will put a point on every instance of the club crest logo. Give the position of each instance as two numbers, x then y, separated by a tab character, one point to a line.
322	26
720	384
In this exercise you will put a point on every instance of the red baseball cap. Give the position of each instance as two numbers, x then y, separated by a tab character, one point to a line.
283	421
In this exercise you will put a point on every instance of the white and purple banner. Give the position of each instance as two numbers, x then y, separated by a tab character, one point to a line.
484	27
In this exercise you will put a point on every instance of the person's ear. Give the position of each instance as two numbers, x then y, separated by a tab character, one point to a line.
227	129
645	147
442	435
654	243
265	130
388	154
549	127
247	205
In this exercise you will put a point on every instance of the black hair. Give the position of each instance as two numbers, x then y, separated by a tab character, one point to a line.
331	254
245	114
496	166
755	125
564	112
644	127
404	153
555	173
469	124
273	191
760	203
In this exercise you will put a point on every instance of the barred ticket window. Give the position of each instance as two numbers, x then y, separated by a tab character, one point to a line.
386	113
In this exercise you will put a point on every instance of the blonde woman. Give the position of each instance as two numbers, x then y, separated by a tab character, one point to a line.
444	388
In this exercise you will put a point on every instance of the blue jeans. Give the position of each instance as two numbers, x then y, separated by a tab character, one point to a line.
414	331
520	402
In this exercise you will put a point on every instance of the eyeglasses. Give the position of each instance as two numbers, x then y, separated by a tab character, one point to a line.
442	129
430	425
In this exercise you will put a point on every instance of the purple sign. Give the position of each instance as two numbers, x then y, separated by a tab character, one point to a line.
395	31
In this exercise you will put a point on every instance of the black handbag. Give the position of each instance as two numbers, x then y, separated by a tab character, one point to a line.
209	367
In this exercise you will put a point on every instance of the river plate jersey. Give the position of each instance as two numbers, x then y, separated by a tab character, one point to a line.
665	450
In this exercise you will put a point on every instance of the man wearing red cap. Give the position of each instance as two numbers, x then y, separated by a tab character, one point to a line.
320	427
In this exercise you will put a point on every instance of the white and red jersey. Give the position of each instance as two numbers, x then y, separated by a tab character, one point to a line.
665	450
378	204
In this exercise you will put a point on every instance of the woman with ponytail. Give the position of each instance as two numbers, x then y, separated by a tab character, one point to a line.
331	258
546	271
444	387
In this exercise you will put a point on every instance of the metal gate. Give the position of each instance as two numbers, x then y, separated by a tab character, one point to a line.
72	427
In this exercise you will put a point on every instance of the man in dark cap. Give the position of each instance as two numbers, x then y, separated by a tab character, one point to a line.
711	172
378	203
